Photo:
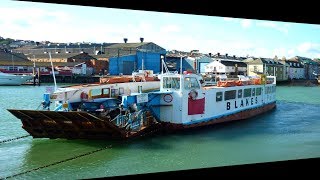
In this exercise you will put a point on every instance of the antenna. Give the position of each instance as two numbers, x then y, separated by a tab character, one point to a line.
161	57
180	64
54	77
12	60
163	65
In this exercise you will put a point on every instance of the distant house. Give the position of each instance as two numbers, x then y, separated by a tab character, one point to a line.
225	64
199	61
76	58
19	63
21	67
266	66
228	67
46	47
296	70
311	68
128	57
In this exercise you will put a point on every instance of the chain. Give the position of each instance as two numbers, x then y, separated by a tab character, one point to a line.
59	162
8	140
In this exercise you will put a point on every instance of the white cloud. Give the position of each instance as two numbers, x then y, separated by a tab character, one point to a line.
245	23
304	47
308	49
284	52
268	24
291	53
34	24
170	28
280	52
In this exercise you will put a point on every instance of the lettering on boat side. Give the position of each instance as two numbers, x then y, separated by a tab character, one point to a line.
240	103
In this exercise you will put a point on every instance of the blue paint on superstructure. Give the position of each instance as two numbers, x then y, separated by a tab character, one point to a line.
154	102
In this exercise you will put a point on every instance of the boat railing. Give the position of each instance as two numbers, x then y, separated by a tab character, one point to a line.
244	81
133	120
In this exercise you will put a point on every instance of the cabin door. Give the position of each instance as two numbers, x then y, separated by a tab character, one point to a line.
196	96
196	102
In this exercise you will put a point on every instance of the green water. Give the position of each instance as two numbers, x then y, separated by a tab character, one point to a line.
291	131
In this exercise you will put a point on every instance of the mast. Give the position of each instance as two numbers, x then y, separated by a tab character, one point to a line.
12	60
54	77
180	64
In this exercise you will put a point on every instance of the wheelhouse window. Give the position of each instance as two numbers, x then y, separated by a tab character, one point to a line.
230	95
218	96
105	91
97	92
171	83
191	83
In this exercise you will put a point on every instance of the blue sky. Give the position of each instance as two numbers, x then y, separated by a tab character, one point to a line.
235	36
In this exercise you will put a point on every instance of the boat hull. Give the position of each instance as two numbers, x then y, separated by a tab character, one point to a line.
14	80
75	125
245	114
82	125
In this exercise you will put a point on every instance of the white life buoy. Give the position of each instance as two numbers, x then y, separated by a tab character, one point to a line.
168	98
193	94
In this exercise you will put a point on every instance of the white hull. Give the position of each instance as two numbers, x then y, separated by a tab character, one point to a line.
13	80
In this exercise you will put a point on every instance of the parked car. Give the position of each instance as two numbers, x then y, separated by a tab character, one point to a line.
101	105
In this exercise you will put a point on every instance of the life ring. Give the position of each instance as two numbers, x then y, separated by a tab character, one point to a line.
84	96
167	98
193	94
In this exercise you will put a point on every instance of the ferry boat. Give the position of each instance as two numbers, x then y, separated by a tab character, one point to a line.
184	101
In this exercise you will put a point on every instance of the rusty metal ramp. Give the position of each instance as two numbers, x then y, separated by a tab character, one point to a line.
68	125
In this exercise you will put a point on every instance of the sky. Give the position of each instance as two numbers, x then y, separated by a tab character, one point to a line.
172	31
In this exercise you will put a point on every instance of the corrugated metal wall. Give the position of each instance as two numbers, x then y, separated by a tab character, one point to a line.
116	65
173	64
126	64
151	61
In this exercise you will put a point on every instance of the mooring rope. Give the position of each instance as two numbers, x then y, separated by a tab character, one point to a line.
59	162
72	158
8	140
